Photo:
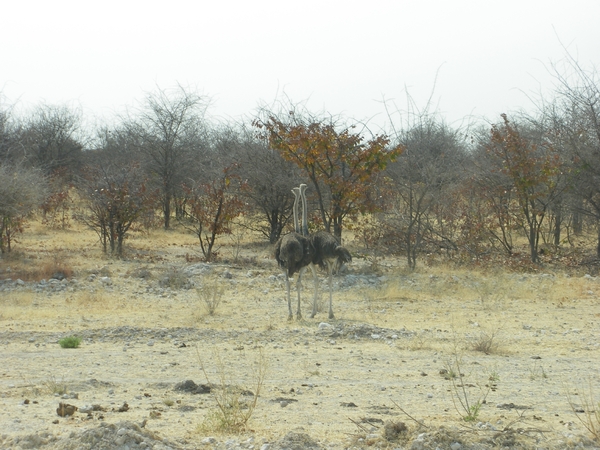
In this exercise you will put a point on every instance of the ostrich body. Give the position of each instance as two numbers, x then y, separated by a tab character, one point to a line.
294	252
328	253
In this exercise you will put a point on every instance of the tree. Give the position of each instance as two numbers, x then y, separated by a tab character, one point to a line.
211	206
423	178
533	169
56	207
9	135
575	119
116	196
169	130
21	191
339	162
269	179
51	139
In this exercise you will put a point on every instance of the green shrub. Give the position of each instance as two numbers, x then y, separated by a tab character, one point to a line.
70	342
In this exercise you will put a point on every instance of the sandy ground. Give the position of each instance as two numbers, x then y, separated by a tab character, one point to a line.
388	357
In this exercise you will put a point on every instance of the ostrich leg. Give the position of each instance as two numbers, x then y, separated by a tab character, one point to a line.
316	295
330	270
302	192
289	298
299	288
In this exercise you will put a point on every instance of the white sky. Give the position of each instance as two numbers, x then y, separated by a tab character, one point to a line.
344	57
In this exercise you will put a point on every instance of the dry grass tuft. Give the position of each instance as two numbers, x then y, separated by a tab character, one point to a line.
175	278
487	342
211	293
54	386
235	405
19	266
588	411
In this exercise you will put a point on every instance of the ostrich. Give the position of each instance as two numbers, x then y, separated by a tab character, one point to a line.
297	194
328	253
293	253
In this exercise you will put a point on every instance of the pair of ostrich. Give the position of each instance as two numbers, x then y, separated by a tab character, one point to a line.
296	251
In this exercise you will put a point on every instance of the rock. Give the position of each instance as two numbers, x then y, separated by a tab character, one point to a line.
297	441
192	388
64	409
123	408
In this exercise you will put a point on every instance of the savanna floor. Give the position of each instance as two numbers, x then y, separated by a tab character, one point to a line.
439	357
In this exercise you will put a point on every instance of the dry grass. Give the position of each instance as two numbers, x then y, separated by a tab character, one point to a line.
234	404
29	267
487	341
211	295
587	409
450	298
440	311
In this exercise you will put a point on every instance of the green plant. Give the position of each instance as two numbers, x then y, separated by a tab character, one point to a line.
211	294
448	373
467	404
234	404
70	342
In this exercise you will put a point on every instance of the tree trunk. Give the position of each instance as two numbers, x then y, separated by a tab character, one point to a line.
337	228
598	245
557	227
577	216
533	241
167	210
275	225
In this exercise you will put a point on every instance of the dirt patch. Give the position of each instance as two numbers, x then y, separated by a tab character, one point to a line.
398	368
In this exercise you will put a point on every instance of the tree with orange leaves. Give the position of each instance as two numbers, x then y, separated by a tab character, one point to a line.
339	162
534	171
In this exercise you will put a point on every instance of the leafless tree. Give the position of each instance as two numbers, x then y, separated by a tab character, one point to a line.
574	115
422	180
270	179
52	138
9	135
21	191
170	131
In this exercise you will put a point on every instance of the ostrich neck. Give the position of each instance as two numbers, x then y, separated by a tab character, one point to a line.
295	211
304	210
